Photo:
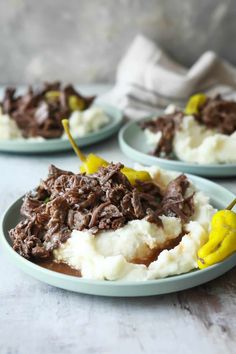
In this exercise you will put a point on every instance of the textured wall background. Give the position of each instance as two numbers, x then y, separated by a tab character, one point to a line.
83	40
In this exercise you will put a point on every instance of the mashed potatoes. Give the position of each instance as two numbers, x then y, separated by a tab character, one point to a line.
88	121
8	128
113	255
193	142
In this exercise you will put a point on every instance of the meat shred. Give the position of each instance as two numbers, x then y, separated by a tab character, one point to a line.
103	201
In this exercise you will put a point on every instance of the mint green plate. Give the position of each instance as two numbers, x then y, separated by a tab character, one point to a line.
220	197
53	145
132	142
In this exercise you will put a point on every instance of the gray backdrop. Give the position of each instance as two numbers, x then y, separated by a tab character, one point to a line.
83	40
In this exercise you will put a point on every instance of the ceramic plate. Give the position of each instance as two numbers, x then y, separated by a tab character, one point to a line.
220	197
133	144
52	145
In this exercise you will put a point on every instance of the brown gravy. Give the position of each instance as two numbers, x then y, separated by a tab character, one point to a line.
58	267
154	253
65	269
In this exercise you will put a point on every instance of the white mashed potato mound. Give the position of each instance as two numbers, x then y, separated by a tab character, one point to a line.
152	138
8	128
109	254
194	142
88	121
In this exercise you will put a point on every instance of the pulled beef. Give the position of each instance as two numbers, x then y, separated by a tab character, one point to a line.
174	202
37	114
218	114
215	113
167	125
103	201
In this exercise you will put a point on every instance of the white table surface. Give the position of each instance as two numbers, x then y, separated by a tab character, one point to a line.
36	318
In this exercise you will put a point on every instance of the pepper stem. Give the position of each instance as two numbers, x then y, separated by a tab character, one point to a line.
78	152
231	205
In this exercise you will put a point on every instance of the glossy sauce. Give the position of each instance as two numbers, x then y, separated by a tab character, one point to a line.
154	253
58	267
65	269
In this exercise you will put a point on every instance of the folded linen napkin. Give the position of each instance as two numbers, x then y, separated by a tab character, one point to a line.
148	80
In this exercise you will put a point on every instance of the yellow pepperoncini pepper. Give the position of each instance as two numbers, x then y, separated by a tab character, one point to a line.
92	162
52	95
134	175
76	103
194	103
222	238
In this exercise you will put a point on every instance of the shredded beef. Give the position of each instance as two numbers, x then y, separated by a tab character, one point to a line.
167	125
174	202
215	113
37	114
103	201
218	114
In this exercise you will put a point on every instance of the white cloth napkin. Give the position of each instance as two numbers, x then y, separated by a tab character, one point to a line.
148	80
